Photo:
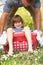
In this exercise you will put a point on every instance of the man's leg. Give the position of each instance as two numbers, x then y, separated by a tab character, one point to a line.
36	14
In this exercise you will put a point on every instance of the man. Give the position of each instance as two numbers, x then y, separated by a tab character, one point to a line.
33	6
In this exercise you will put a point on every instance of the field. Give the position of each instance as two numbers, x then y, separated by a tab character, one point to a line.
22	58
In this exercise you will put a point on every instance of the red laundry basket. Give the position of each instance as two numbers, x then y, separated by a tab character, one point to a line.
20	42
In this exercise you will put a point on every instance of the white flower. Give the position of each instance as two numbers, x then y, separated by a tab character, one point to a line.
4	57
36	59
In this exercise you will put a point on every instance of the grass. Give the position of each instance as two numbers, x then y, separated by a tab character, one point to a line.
22	58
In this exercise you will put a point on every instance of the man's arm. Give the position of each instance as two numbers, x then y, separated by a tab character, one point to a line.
6	17
37	21
3	20
37	17
6	10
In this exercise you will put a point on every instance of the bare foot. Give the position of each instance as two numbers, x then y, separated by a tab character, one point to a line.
10	53
30	50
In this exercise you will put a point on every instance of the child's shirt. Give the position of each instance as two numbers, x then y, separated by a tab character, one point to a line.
18	29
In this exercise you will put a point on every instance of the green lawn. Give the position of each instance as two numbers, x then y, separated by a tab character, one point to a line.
22	58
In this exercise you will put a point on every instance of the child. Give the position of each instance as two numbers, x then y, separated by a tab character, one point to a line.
18	26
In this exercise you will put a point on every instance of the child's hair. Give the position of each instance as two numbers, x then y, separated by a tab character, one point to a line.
17	18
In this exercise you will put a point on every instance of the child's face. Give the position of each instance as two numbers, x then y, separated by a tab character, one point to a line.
18	24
